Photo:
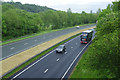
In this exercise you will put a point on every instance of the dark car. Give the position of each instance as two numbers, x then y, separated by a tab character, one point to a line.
60	48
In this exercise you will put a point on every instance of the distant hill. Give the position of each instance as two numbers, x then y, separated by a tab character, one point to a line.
29	7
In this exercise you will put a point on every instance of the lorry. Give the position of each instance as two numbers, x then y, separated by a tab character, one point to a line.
86	36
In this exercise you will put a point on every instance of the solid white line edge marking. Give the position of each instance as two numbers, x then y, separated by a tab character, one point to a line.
39	60
32	65
74	61
30	47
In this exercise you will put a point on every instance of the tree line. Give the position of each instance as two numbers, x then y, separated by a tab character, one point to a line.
104	56
17	22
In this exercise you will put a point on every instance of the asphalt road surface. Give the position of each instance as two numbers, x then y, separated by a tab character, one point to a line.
54	65
19	46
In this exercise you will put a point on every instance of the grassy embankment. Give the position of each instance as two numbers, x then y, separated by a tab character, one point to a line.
80	71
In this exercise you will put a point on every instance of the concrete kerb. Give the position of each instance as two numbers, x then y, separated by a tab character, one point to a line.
35	56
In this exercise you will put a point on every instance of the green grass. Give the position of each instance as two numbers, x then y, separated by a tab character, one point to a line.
36	57
83	71
37	34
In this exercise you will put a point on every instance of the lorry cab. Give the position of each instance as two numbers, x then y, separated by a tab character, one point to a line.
86	36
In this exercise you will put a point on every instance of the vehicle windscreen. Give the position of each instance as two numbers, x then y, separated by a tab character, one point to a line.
60	47
84	37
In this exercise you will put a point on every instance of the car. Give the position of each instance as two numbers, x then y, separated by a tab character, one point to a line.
77	27
60	49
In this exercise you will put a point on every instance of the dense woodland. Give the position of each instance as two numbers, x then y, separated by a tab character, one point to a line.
105	50
18	22
102	59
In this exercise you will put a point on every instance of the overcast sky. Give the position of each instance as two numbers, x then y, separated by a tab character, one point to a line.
75	5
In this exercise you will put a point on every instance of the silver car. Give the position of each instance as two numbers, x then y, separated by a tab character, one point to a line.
60	48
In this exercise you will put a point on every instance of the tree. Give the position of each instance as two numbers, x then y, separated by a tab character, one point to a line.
19	22
91	12
98	11
104	52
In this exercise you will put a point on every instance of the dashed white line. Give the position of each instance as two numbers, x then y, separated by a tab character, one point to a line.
45	70
32	65
25	43
35	40
12	48
65	52
76	43
58	59
38	61
73	62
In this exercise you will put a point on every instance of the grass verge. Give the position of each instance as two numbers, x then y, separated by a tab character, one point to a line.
37	34
36	57
81	71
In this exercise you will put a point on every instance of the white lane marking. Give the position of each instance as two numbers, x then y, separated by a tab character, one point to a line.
73	62
32	64
25	43
39	60
58	59
35	40
45	70
17	52
76	43
65	52
71	40
31	47
12	48
71	47
16	42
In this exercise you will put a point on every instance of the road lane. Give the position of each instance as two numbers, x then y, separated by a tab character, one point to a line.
49	67
28	43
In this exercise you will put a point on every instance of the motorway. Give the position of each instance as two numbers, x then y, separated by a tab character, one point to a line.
54	65
19	46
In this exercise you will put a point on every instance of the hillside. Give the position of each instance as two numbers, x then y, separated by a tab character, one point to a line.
29	7
18	22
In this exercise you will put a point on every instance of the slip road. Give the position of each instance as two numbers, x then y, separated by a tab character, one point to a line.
55	65
19	46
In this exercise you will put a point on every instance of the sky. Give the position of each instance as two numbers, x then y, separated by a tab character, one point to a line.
77	6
